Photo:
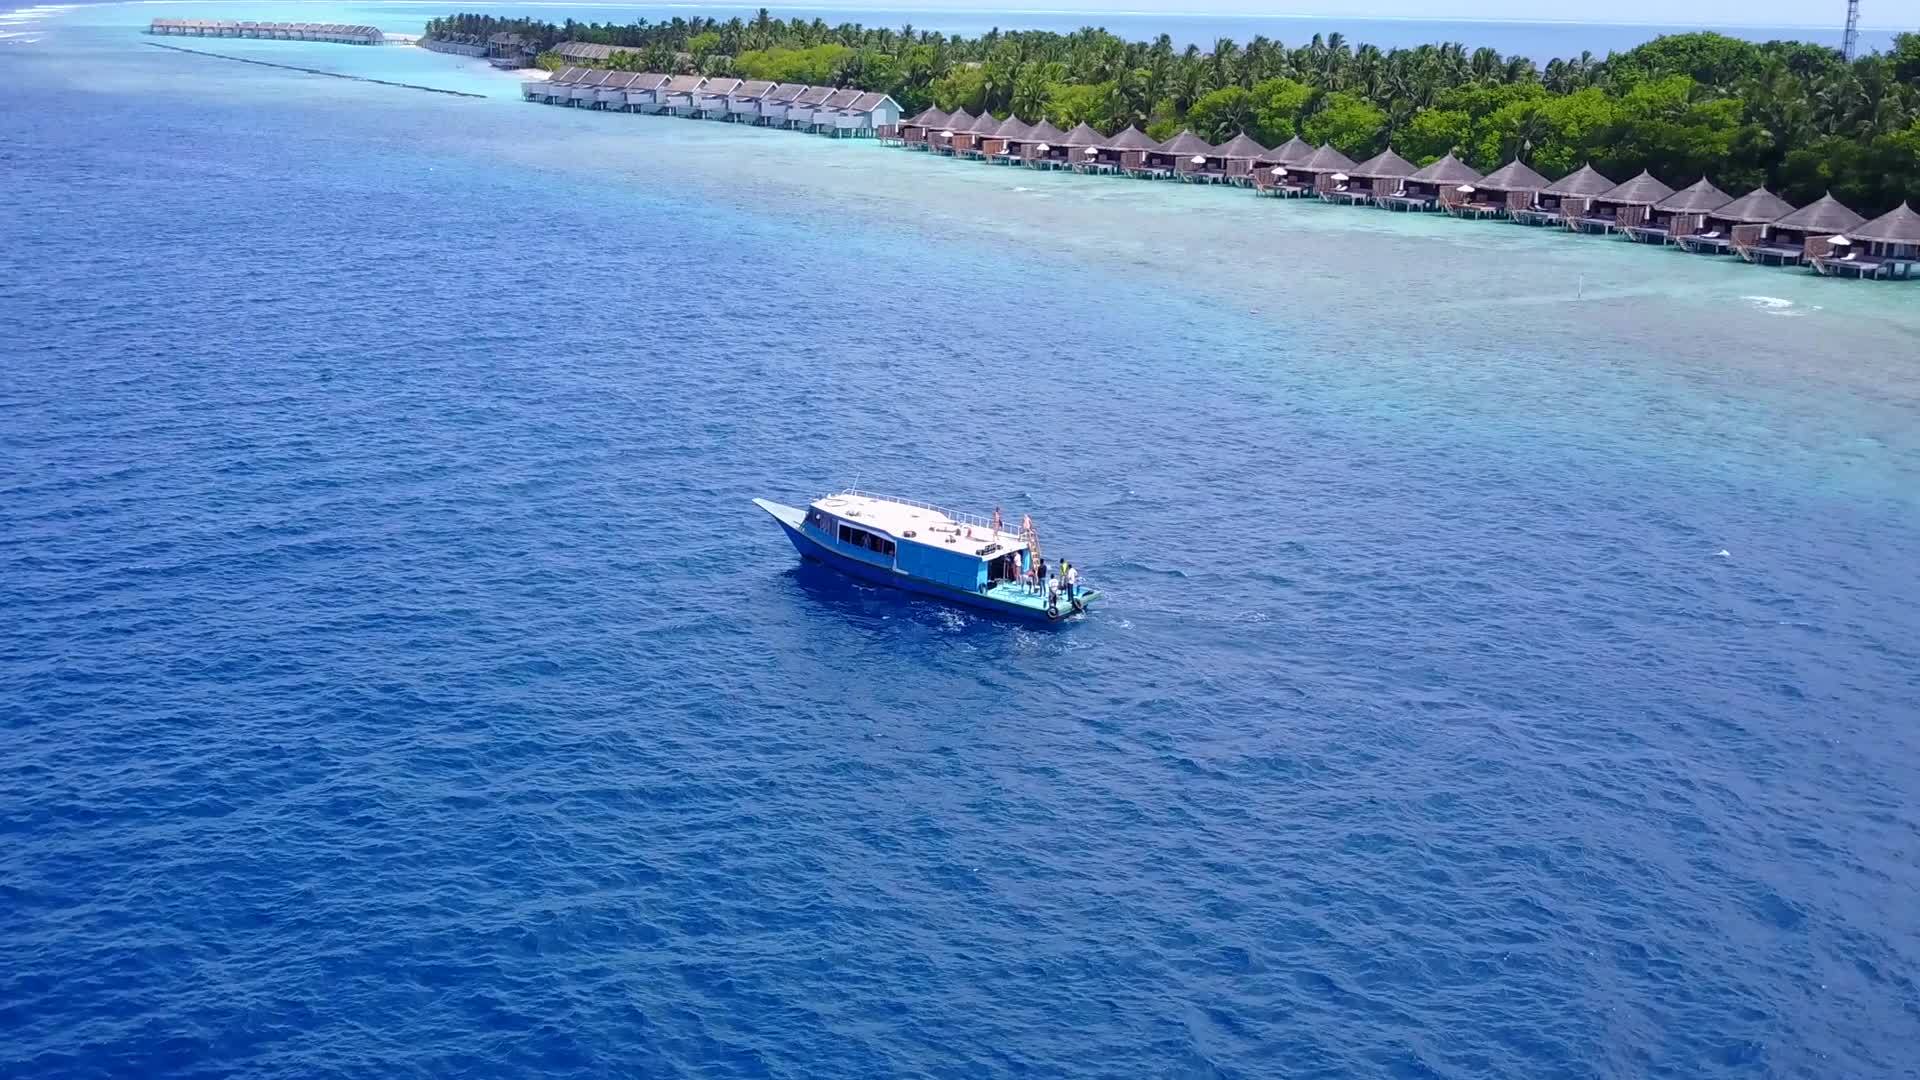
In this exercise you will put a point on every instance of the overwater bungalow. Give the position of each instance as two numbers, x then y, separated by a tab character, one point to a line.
1002	147
1239	155
958	121
804	113
775	106
1292	152
1755	210
1888	247
678	95
1186	157
1448	180
643	93
966	143
914	133
831	114
1509	188
1124	152
1622	204
1678	214
1272	171
1080	144
537	89
1045	147
1384	174
1566	198
743	105
586	89
337	33
1325	170
872	115
613	91
1801	235
710	101
559	88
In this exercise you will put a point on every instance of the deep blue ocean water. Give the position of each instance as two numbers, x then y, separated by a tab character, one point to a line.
1510	669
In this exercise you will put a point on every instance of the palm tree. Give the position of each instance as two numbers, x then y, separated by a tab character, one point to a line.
1029	93
1486	65
1221	72
1369	72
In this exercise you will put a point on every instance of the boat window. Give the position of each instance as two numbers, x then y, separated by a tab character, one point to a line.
875	543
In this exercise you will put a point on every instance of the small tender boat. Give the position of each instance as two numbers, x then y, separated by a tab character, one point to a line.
924	549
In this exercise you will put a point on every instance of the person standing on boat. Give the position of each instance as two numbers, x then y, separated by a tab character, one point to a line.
1040	575
1073	581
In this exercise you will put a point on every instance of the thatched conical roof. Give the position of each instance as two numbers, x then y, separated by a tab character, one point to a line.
1045	132
1756	207
1515	175
1186	144
1696	199
1013	128
1241	147
1326	159
958	121
1083	135
1294	151
984	124
1897	226
929	117
1449	171
1586	181
1642	190
1385	165
1826	215
1130	138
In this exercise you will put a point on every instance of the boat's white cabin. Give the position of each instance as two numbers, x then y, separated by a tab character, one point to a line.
904	520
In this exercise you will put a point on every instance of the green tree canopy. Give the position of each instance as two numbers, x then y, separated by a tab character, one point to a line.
1278	104
1354	125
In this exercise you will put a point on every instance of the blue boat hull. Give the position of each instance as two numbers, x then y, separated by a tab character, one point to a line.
809	548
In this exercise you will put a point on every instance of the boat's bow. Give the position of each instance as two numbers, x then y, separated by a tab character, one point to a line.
785	515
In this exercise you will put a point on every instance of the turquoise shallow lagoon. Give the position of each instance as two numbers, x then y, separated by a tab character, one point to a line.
1509	669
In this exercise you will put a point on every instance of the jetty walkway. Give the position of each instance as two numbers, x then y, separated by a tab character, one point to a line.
315	71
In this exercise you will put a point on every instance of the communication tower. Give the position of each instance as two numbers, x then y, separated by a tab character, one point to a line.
1852	38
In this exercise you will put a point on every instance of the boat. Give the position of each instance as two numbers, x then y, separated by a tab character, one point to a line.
921	548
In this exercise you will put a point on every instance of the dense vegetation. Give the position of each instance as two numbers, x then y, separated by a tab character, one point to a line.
1794	116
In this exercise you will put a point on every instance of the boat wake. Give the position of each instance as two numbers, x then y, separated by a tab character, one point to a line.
1774	305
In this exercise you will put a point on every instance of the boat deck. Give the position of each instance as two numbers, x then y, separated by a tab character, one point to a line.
907	520
1021	597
